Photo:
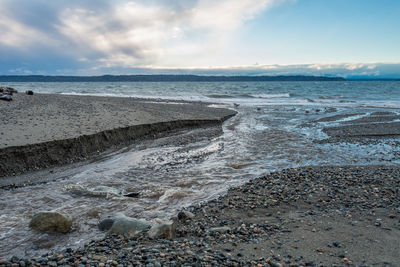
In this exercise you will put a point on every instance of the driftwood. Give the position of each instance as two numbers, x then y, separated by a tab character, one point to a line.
5	97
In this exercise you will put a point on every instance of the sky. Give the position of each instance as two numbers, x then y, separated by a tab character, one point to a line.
348	38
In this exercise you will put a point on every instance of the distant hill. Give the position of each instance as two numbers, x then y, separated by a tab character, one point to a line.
373	79
161	78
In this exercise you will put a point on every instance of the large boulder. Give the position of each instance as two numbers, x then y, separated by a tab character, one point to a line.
123	225
120	224
49	221
164	229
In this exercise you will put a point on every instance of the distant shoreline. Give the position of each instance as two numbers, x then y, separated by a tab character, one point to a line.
163	78
181	78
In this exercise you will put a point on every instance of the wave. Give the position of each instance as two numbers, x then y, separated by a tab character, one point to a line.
271	95
286	95
220	96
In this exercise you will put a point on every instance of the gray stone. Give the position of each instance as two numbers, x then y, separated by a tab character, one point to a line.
51	222
274	264
222	229
128	226
165	229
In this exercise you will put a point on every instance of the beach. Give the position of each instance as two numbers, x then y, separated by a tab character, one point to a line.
330	214
313	216
44	130
200	133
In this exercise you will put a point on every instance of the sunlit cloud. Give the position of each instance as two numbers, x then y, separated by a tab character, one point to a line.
131	33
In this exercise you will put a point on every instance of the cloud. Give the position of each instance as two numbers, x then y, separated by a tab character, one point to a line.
86	37
16	34
124	33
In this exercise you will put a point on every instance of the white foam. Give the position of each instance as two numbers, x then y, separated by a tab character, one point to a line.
271	95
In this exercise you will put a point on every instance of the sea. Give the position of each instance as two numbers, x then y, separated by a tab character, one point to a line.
278	125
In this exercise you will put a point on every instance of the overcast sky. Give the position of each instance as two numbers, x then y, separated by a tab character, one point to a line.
255	37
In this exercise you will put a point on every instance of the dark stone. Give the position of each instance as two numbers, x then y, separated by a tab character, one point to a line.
15	259
185	215
132	194
106	224
8	90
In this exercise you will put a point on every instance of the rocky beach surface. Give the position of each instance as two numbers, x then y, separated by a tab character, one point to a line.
310	216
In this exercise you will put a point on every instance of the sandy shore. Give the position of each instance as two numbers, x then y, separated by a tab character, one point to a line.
46	129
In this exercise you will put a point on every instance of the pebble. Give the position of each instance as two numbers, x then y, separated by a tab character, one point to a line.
215	234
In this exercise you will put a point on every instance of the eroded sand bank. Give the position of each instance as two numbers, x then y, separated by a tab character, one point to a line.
46	129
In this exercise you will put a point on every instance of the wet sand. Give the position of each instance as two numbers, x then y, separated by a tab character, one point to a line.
377	127
371	129
44	130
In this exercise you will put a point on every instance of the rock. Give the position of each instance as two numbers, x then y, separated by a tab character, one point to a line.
221	230
14	259
100	258
97	191
274	264
128	226
132	194
165	229
106	224
51	222
29	92
185	215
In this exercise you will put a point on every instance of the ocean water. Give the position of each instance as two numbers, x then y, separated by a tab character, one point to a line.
278	125
377	93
